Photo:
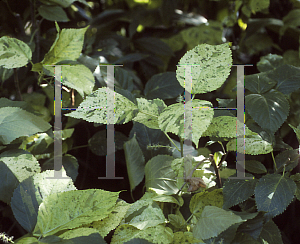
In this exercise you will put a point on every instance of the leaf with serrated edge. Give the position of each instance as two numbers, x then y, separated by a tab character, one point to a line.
254	145
226	126
213	67
16	122
71	209
67	46
14	53
94	107
172	119
273	193
149	112
236	191
213	221
273	109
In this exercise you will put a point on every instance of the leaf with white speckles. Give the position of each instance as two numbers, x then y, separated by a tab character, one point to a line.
213	67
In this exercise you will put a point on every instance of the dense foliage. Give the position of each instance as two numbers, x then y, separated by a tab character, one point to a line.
172	191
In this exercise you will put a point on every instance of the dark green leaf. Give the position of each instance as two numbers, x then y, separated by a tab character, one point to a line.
163	86
154	45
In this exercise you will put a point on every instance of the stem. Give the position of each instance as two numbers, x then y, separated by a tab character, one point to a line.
222	147
181	146
172	141
188	220
78	147
274	161
16	78
288	161
164	132
219	182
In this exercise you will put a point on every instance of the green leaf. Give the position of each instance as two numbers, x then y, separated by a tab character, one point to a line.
172	199
187	149
259	5
255	25
210	33
31	192
226	126
292	19
297	131
236	191
15	166
71	209
78	77
109	223
69	163
93	108
156	234
159	175
167	10
271	233
172	119
254	145
200	200
269	62
185	237
177	221
241	237
288	157
135	162
132	57
5	73
258	42
149	137
253	226
143	214
81	235
4	102
163	86
53	13
256	167
273	109
63	3
99	148
287	77
149	112
28	240
273	193
124	78
67	46
16	122
154	45
292	57
259	83
213	221
14	53
175	42
213	67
